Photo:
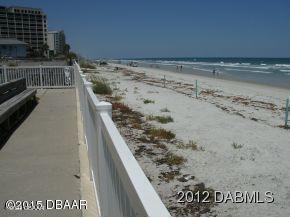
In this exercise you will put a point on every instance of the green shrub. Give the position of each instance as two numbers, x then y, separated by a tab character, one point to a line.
103	63
148	101
100	86
236	145
160	133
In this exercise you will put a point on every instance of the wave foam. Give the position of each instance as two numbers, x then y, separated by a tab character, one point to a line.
253	71
283	65
195	68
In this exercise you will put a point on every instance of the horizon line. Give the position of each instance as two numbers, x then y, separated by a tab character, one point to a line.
177	57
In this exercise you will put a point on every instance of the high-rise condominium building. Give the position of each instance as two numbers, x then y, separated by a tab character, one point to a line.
25	24
56	42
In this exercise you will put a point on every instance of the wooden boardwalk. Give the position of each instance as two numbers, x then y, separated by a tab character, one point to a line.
40	161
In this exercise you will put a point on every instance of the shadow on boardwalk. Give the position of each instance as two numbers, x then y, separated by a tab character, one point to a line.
5	133
40	160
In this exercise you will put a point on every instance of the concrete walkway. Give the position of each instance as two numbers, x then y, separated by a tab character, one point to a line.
40	161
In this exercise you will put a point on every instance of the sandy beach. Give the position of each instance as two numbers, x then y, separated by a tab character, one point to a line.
236	127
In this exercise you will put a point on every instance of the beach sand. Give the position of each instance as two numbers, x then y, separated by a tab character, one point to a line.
235	126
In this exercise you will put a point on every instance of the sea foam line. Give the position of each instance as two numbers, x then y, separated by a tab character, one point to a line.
254	71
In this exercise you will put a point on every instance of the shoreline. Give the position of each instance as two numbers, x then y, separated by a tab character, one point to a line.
198	72
245	81
213	79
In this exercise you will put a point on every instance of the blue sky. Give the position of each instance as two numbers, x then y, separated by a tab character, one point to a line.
180	28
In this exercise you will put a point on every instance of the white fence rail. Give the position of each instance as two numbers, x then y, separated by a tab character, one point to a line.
121	187
40	76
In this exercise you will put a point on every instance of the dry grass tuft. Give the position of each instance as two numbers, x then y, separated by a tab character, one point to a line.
161	119
121	107
169	176
85	64
127	115
160	133
191	144
171	160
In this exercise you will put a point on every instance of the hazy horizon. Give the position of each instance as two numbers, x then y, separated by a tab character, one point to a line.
233	57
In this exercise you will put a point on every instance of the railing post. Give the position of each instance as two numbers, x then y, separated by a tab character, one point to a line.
286	112
88	84
85	108
40	75
101	107
83	76
81	89
5	73
196	89
104	107
86	120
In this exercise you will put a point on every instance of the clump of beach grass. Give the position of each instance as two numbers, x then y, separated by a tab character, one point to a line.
164	109
117	98
161	119
236	145
160	133
148	101
101	86
171	159
169	176
88	65
191	144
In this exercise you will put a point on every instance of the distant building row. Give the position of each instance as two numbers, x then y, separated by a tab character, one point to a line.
27	27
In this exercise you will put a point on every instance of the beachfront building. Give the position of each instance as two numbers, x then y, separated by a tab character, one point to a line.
25	24
56	42
12	48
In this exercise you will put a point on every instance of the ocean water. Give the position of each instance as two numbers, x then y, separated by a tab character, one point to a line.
267	71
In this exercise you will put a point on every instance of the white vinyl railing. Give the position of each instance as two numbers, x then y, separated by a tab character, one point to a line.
40	76
121	187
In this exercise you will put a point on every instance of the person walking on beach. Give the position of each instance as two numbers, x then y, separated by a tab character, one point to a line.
176	67
180	67
213	72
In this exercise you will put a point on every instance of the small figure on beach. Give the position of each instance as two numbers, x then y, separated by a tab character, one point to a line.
176	67
213	72
181	67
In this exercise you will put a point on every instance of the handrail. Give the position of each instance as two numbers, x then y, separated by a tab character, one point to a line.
40	76
121	187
